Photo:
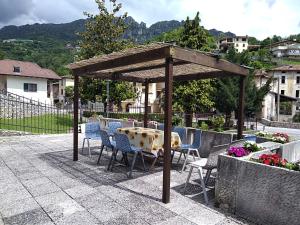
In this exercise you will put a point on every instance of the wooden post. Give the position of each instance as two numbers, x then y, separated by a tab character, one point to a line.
241	108
146	104
167	129
278	98
75	122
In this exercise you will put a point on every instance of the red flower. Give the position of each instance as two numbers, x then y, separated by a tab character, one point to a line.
267	162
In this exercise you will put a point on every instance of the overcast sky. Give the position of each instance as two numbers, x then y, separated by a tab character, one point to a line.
259	18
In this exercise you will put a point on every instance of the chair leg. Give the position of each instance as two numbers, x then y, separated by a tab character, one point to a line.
200	171
185	160
153	163
207	176
114	160
179	157
88	141
188	179
83	145
111	159
172	156
102	147
132	165
143	161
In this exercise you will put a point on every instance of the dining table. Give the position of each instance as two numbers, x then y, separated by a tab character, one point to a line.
150	140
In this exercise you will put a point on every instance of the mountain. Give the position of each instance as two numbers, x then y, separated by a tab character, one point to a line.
62	32
66	32
217	33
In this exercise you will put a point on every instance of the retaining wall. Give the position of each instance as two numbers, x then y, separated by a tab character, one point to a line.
260	193
280	124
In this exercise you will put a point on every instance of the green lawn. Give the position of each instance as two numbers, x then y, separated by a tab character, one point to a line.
290	62
45	124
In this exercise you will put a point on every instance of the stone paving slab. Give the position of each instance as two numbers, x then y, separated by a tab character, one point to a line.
40	184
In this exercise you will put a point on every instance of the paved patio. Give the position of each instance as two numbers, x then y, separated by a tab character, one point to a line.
40	184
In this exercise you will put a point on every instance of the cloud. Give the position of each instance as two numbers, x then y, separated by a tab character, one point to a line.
271	3
259	18
11	9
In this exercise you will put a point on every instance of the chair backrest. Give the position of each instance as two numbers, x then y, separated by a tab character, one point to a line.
207	141
122	142
197	139
182	133
113	126
161	126
105	138
92	127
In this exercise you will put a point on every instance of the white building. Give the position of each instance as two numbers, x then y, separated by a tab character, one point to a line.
27	79
154	98
240	43
285	49
286	83
59	88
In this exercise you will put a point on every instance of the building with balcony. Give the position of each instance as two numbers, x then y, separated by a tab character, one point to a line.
240	43
286	49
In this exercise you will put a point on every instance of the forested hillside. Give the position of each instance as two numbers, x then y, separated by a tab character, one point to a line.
54	45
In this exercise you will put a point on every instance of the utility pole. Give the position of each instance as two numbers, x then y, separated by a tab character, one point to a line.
278	97
107	98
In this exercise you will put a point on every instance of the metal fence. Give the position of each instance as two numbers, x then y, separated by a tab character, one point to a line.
19	113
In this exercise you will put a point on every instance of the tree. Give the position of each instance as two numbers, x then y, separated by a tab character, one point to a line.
255	96
193	96
103	35
227	91
69	93
226	97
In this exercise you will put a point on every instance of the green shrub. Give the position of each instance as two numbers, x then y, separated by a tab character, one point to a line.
204	126
122	115
296	118
176	120
218	123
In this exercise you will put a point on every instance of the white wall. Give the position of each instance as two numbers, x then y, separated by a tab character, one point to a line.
16	85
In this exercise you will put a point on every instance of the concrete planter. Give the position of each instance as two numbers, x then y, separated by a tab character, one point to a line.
260	193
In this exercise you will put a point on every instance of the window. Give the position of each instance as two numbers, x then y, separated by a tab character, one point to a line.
297	93
244	45
30	87
283	79
62	83
282	92
298	72
298	79
237	39
62	91
244	39
282	71
17	69
237	45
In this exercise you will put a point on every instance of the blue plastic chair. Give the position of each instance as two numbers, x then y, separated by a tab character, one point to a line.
161	126
123	145
187	149
112	127
92	132
106	142
249	137
182	133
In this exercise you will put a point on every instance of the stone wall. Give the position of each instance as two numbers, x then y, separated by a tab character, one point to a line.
280	124
262	194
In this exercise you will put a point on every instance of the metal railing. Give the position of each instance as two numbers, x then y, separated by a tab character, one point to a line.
19	113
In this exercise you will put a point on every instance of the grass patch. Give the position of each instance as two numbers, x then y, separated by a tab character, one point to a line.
290	62
44	124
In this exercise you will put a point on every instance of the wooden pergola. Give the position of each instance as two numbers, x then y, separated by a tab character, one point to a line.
155	63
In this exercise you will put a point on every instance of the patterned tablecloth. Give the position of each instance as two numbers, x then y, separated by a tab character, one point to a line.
150	140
